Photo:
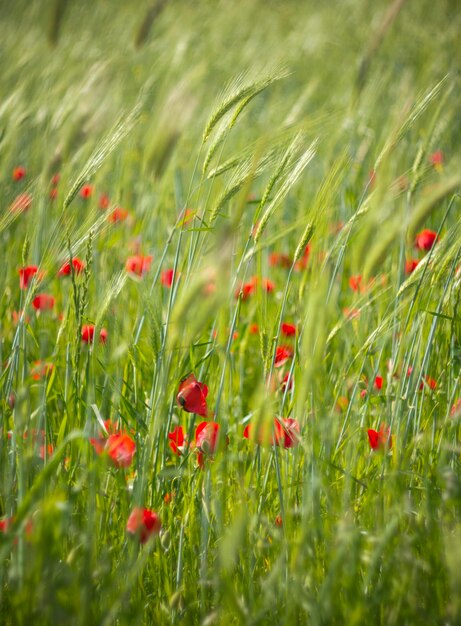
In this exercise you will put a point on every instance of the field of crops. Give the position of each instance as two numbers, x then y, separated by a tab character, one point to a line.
230	324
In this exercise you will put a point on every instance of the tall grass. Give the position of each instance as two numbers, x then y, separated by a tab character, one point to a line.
174	110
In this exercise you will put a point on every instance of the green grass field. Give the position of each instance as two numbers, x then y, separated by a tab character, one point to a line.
230	341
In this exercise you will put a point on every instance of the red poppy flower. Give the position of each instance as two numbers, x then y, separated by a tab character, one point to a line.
186	216
287	381
254	329
5	524
43	302
285	433
118	215
88	334
351	314
250	287
455	410
66	268
21	203
411	265
206	437
246	289
86	191
26	274
267	285
41	370
138	265
177	440
380	440
282	355
288	329
192	396
291	432
206	441
378	383
437	159
278	521
104	201
143	523
121	449
19	173
53	193
355	283
425	239
282	260
432	384
166	277
56	178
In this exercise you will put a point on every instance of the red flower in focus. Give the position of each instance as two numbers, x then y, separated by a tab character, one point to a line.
288	329
143	523
138	265
21	203
380	440
411	265
104	201
166	277
19	173
43	302
41	370
86	191
88	334
192	396
66	268
282	355
121	449
425	239
118	215
177	440
437	159
26	274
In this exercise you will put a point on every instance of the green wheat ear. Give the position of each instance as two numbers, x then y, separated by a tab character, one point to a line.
239	93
